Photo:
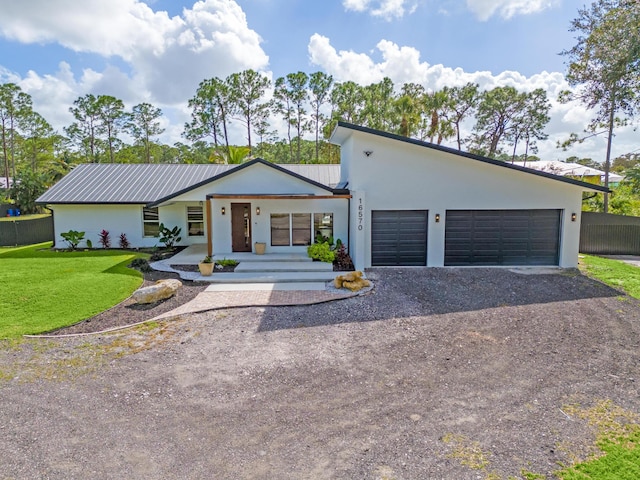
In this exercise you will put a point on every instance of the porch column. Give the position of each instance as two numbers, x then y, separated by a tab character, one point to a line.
359	229
209	221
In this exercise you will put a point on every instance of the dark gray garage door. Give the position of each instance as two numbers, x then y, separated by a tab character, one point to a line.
399	237
502	237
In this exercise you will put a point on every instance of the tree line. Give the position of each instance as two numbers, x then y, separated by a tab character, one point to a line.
313	104
307	106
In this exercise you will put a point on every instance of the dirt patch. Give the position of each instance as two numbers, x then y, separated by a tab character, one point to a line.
438	373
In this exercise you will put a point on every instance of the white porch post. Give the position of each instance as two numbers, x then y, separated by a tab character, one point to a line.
359	229
209	221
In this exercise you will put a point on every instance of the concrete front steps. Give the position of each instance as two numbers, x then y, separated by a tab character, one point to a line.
284	271
285	268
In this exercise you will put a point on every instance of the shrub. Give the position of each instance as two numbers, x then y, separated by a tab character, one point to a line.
343	260
27	187
227	262
105	238
89	243
73	238
169	236
141	264
155	254
322	252
123	242
323	239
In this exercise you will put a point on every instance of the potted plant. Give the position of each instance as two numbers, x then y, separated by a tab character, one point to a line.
260	248
206	266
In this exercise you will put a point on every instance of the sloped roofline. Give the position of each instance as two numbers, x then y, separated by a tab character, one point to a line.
460	153
235	170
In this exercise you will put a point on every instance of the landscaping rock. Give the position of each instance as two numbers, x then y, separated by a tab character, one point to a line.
160	290
352	281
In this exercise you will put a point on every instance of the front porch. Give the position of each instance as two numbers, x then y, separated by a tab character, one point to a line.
271	271
193	254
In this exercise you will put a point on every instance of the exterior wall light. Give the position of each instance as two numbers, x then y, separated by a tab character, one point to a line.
257	210
437	218
223	211
574	216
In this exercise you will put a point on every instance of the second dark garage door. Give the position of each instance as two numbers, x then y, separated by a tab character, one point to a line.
399	238
502	237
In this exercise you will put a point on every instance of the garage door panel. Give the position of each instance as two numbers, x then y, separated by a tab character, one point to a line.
502	237
398	237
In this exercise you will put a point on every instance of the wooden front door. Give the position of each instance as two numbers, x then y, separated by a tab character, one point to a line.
241	227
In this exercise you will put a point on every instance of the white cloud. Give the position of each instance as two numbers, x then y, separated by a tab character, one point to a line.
168	57
385	9
485	9
117	27
165	58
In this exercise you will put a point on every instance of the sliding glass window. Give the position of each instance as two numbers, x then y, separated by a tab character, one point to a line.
280	230
301	228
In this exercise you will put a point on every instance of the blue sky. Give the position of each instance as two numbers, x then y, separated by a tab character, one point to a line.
159	50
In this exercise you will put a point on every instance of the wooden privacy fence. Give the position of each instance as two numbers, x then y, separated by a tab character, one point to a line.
26	231
607	234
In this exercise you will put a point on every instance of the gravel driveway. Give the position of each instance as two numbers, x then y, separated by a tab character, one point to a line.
367	388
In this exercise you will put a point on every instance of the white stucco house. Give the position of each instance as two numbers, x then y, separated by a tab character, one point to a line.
394	201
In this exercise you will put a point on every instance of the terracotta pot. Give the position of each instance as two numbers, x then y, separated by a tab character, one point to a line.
206	269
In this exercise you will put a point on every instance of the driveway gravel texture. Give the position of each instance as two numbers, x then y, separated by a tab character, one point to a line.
372	387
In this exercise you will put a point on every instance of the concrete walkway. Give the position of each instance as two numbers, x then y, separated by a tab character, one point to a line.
216	300
258	281
630	259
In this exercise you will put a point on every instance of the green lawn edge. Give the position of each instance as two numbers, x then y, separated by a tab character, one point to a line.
42	289
615	273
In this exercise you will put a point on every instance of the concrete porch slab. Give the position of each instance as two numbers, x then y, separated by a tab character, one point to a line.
286	266
193	254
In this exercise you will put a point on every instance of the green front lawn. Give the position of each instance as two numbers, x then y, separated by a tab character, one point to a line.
615	273
42	289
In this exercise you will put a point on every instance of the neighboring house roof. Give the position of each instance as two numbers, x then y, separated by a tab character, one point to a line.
569	169
343	130
152	183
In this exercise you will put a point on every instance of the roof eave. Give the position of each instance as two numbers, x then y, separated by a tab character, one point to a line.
92	203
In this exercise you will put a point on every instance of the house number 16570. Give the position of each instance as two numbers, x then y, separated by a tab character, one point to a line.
360	214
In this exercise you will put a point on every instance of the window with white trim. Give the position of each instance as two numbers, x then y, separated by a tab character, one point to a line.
150	222
195	221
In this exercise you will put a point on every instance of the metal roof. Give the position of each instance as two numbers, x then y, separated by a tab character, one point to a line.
148	183
568	169
325	174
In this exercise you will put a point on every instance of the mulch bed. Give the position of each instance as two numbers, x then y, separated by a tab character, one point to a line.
128	312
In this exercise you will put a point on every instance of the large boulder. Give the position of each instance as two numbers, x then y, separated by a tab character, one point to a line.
353	281
160	290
